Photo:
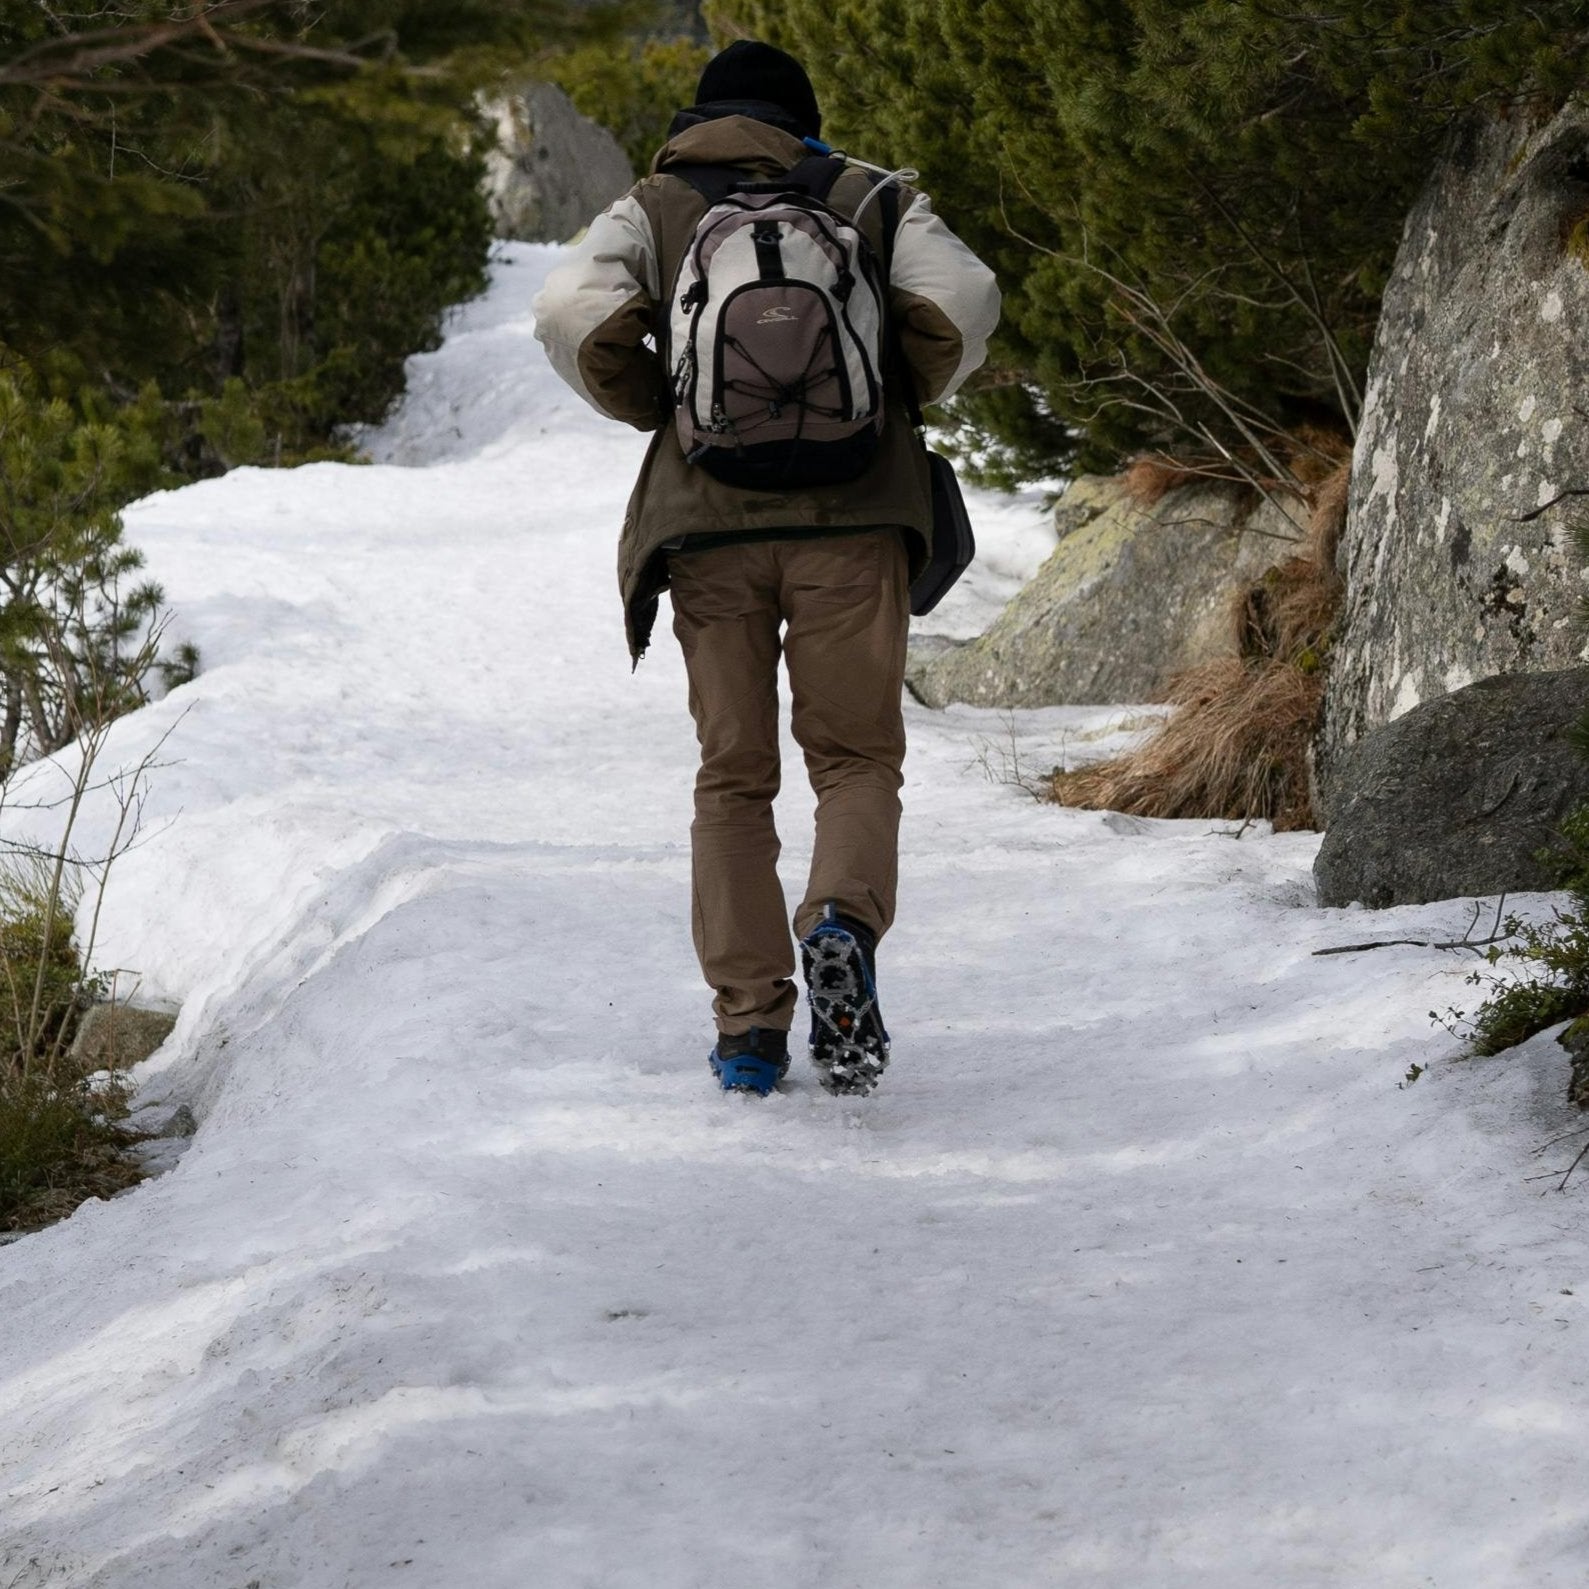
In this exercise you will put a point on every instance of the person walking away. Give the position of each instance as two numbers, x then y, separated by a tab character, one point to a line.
775	314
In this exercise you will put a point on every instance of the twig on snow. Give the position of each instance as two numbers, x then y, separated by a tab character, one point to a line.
1466	941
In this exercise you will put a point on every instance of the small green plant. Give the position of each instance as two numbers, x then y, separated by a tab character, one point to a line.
1538	973
59	1141
59	1138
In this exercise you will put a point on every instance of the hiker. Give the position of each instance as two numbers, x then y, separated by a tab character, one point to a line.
776	314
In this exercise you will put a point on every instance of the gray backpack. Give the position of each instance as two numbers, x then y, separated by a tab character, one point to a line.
776	332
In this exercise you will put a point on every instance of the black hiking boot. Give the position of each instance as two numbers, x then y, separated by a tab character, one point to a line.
849	1046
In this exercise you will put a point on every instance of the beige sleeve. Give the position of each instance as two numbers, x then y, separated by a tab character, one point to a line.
595	312
946	301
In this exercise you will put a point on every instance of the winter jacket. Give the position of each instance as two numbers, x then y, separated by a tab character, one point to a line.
599	314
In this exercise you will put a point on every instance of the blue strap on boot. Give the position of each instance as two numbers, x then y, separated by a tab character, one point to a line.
753	1061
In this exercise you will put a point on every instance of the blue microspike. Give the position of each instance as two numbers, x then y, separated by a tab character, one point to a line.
817	146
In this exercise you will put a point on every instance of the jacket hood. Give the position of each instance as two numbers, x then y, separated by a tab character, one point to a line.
732	138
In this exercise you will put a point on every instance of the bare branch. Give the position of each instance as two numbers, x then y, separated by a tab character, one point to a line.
1466	941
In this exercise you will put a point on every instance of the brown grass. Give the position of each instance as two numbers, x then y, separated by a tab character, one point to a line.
1237	747
1153	476
1310	456
1575	235
1314	455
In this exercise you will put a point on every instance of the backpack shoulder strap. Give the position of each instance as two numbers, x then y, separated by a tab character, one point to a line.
816	174
888	205
713	183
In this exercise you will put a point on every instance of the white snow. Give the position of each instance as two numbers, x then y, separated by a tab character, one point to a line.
1140	1270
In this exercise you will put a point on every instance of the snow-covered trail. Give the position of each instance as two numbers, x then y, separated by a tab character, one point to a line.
1140	1270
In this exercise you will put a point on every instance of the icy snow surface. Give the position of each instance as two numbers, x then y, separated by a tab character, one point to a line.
1140	1270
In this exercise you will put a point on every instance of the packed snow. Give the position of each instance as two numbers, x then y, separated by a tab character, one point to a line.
1144	1267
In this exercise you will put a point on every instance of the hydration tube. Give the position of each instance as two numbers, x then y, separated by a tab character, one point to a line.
903	174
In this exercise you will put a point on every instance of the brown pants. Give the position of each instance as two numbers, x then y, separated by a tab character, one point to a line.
845	602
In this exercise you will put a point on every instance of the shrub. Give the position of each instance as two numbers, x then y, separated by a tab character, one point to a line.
259	212
59	1139
75	624
1539	974
1247	163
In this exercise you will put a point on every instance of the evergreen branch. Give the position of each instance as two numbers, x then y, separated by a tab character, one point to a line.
85	52
1347	392
73	64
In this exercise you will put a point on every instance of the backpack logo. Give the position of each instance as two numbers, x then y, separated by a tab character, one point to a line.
779	314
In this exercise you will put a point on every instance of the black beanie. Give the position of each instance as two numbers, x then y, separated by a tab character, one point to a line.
747	70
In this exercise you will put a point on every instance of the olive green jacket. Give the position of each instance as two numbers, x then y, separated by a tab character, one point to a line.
599	314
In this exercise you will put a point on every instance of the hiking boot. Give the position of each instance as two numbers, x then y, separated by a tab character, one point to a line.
849	1046
753	1061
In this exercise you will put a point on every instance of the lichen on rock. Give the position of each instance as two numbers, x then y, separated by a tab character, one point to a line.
1458	555
1132	596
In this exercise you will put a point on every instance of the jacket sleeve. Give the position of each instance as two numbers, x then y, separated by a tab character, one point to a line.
595	312
944	299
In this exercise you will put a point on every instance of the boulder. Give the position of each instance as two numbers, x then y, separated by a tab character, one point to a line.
1457	796
117	1036
553	170
1457	555
1131	596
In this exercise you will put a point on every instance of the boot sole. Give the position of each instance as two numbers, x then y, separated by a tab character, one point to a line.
849	1046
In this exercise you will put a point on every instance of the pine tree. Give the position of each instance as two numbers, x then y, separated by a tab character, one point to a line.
286	197
1244	169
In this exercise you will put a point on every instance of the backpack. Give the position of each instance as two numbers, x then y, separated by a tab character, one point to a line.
776	332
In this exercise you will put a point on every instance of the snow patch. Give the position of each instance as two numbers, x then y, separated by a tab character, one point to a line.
1142	1267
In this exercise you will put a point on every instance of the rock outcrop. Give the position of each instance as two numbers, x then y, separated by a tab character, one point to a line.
553	169
1458	555
1457	796
1130	597
116	1035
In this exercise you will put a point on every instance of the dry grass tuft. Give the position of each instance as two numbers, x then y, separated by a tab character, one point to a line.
1286	615
1308	456
1153	476
1237	747
1313	455
1327	508
1575	236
